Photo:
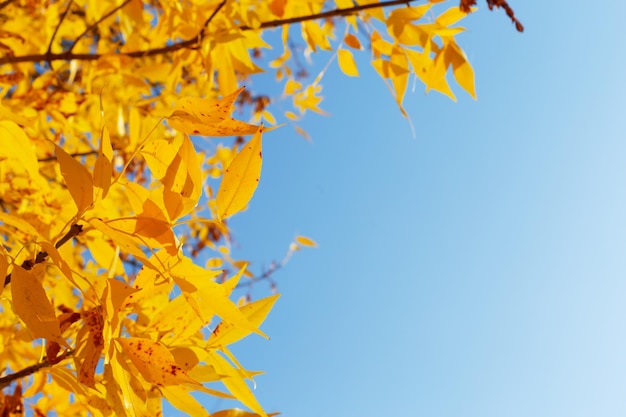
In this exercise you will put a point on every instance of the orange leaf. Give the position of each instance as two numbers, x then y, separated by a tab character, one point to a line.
33	306
352	41
241	178
78	179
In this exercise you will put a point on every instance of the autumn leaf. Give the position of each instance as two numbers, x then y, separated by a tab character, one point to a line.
305	241
233	379
154	362
33	306
346	63
241	178
225	333
78	179
103	168
206	117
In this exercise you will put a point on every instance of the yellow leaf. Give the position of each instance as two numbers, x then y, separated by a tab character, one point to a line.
233	380
400	18
208	298
154	362
127	396
461	68
352	41
60	263
124	239
78	179
346	63
182	400
291	115
241	178
159	154
33	306
21	225
305	241
103	169
451	16
225	333
16	145
200	116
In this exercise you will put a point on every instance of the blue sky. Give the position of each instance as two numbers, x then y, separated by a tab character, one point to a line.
474	270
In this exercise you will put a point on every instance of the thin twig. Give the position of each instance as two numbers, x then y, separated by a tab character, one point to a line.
96	23
67	56
41	256
56	29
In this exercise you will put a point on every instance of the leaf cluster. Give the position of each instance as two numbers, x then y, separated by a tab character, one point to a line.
116	250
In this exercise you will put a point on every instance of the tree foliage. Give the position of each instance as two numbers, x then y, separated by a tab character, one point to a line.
115	250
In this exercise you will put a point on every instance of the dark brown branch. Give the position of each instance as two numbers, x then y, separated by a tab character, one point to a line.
67	56
41	256
54	158
96	23
8	379
56	29
331	13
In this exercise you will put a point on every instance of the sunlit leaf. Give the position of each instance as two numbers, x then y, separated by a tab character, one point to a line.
103	168
33	306
241	178
206	117
305	241
154	362
346	63
183	401
78	179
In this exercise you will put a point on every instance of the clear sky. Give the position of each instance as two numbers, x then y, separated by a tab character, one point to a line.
477	269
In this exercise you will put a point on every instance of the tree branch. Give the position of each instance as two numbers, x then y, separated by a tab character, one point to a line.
54	158
8	379
56	29
67	56
41	256
96	23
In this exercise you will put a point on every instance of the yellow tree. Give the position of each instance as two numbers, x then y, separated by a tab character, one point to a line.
115	245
